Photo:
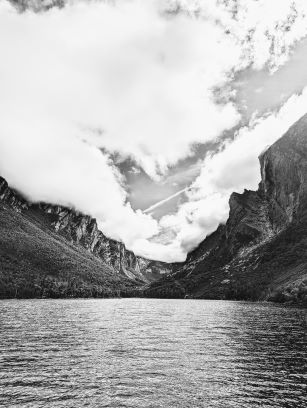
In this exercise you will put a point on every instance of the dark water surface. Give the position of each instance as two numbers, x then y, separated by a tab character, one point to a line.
143	353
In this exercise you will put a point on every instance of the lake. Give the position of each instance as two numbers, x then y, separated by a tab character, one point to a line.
155	353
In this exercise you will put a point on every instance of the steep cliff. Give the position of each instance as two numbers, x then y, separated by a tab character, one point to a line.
50	250
11	198
82	230
261	252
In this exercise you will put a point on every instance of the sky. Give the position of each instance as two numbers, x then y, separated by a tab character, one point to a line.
112	107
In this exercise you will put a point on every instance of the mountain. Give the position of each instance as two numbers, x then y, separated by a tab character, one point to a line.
53	251
261	252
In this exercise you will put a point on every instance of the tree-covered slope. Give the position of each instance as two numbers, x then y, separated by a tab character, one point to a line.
36	262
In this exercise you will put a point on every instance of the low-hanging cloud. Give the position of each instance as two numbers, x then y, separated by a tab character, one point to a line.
234	168
141	80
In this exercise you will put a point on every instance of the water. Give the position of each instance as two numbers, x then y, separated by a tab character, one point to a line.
143	353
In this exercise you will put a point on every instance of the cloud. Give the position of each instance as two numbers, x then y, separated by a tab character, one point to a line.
140	80
234	168
265	31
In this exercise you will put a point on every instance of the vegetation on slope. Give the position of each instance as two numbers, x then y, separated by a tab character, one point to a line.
36	262
276	271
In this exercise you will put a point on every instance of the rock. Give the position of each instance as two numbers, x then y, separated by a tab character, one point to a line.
11	197
262	250
82	230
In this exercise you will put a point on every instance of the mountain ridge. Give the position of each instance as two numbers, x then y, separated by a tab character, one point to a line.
259	254
75	240
261	251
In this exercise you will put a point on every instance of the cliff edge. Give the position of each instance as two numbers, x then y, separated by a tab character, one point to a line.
53	251
261	252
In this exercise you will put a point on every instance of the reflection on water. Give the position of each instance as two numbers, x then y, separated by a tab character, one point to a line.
143	353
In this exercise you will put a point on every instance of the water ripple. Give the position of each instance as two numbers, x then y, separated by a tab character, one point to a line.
143	353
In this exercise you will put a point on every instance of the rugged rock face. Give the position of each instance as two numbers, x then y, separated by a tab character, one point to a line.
261	252
284	175
11	197
81	231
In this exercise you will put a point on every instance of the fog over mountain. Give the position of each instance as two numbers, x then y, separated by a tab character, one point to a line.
91	84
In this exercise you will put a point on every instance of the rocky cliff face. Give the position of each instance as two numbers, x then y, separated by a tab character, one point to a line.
284	175
82	230
261	252
11	197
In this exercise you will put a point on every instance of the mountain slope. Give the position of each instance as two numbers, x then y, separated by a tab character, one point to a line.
52	251
261	252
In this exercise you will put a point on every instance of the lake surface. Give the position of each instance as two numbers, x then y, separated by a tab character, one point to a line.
143	353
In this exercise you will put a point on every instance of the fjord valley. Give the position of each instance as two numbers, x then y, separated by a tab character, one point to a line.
153	204
259	254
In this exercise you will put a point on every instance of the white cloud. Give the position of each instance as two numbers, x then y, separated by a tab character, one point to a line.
265	30
130	78
234	168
